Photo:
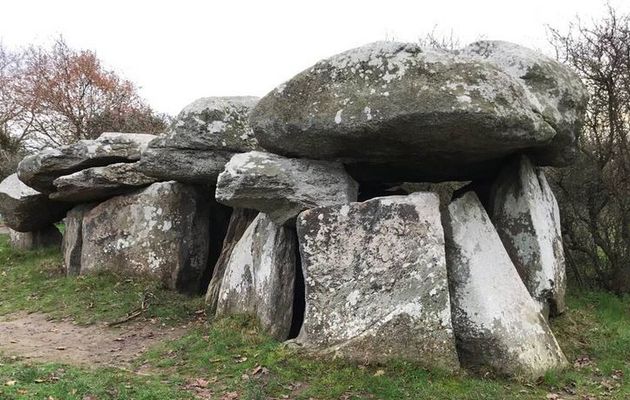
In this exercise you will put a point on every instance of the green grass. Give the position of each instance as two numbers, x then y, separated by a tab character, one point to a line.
34	281
232	355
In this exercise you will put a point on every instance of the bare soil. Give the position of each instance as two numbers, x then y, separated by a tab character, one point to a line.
35	337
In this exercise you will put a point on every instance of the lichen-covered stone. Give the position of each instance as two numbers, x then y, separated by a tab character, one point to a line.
240	220
526	215
41	169
100	183
73	238
159	231
48	236
259	277
201	141
497	324
556	93
376	283
283	187
25	209
397	111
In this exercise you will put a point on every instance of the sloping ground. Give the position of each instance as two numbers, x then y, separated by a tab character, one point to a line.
35	337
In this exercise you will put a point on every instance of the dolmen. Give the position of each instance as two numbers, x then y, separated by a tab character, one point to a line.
303	208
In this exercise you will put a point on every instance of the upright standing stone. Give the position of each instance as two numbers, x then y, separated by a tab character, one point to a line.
160	231
526	215
73	238
497	323
376	282
260	275
240	219
42	238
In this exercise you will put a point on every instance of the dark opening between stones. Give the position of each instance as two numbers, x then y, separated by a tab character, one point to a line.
219	221
299	297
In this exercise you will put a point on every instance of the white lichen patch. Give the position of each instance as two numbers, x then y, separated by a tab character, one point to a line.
366	267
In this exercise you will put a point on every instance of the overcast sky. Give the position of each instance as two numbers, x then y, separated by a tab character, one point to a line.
179	50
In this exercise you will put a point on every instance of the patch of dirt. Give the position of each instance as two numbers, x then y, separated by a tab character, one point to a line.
35	337
4	230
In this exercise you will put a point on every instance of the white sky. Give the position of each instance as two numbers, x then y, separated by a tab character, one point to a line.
179	50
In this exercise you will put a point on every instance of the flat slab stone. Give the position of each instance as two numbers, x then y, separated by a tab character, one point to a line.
376	282
526	215
100	183
41	169
24	209
283	187
259	277
497	324
397	112
202	139
161	231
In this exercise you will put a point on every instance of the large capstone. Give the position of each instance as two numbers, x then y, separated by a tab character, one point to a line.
376	282
526	215
160	231
259	277
201	140
100	183
48	236
26	210
557	94
41	169
397	111
283	187
497	324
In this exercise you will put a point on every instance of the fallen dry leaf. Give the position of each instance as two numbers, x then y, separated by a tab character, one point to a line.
10	383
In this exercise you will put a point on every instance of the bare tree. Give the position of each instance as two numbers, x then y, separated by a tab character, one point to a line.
594	194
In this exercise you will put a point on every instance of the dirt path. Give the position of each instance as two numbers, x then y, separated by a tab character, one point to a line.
4	230
34	337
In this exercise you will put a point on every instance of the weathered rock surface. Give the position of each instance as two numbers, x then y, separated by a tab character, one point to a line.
557	94
159	231
48	236
100	183
201	141
283	187
376	281
497	323
259	276
526	215
24	209
40	170
396	111
73	238
240	220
